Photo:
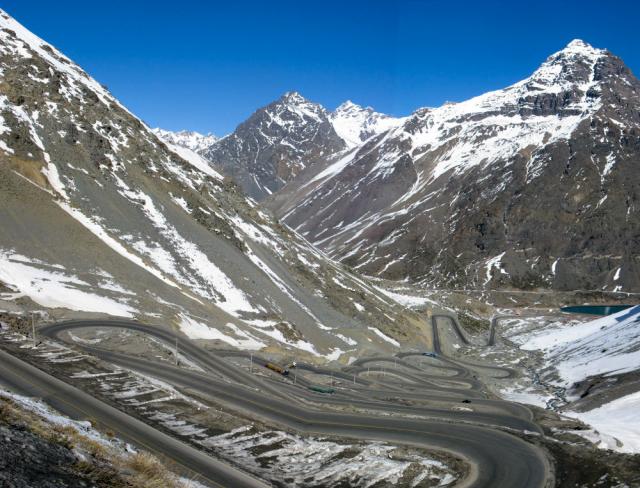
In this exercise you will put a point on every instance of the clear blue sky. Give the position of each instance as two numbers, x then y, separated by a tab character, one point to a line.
208	65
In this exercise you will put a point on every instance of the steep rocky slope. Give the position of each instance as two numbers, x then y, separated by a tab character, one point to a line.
275	144
535	185
99	216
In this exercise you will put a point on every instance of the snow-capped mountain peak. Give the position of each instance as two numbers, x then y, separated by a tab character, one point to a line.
292	108
582	47
572	65
190	139
448	181
275	144
350	107
293	97
355	124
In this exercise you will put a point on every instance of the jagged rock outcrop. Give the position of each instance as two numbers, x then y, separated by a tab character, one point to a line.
275	144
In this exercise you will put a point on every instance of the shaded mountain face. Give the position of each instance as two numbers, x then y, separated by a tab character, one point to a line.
275	144
535	185
100	216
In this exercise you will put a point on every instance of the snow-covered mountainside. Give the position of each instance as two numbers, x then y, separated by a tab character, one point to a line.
535	185
596	365
99	215
275	144
606	346
187	138
355	124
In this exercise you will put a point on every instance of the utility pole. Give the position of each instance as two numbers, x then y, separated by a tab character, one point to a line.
33	328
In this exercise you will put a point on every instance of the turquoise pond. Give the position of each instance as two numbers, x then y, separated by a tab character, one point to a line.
595	309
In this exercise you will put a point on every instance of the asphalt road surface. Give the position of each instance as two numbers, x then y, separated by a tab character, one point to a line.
427	402
23	377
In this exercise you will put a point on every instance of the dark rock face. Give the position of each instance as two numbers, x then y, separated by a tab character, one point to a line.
536	185
28	461
275	144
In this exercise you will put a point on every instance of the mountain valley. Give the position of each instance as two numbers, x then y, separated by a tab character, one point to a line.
321	298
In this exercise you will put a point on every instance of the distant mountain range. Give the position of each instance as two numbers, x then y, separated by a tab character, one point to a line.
533	186
191	140
281	140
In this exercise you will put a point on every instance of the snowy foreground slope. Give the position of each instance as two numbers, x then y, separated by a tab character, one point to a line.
616	424
591	353
535	185
98	215
606	346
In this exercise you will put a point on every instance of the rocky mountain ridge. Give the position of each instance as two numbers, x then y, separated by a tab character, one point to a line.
532	186
283	139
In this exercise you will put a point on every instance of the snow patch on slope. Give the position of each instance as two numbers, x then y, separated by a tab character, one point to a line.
609	345
410	301
194	329
383	336
619	419
51	286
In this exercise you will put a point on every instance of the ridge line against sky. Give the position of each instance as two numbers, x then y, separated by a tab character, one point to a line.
207	67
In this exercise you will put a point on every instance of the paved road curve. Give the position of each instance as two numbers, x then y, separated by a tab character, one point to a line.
67	399
497	458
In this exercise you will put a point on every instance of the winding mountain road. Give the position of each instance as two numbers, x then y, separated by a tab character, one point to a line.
427	407
29	380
